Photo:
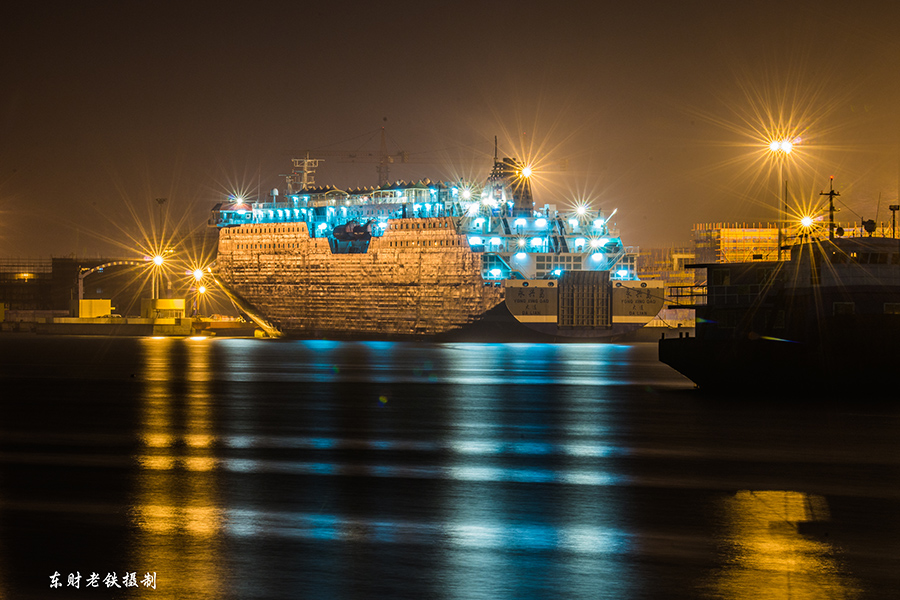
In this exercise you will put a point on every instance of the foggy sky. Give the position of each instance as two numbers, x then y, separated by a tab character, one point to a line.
660	110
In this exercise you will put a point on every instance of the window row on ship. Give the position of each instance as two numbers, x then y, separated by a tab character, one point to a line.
392	244
235	233
263	246
443	224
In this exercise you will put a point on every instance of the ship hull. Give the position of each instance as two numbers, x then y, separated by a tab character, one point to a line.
857	352
420	280
828	319
497	325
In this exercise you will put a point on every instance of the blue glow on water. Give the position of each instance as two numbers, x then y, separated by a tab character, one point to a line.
476	447
489	535
482	473
240	465
319	361
241	441
323	443
533	448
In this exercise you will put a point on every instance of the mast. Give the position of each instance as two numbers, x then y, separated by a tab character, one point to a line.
303	172
831	194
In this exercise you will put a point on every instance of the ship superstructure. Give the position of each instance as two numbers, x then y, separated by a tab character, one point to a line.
490	236
517	239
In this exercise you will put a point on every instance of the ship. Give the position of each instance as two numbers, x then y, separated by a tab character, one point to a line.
827	317
443	261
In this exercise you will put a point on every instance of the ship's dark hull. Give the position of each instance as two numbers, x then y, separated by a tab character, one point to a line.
841	354
827	319
497	325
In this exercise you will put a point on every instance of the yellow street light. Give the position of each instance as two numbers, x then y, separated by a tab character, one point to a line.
201	291
781	146
781	149
154	283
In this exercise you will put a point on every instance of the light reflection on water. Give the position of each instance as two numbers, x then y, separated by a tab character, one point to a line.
170	504
490	543
578	539
463	364
347	470
466	446
770	557
184	455
501	536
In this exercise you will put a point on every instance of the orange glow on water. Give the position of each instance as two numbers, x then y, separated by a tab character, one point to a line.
770	558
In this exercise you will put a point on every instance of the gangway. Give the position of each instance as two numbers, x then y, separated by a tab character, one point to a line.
245	307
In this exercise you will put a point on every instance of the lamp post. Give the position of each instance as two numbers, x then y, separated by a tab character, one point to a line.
200	292
157	263
198	277
162	227
781	149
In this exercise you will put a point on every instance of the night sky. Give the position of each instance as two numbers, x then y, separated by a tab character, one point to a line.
663	110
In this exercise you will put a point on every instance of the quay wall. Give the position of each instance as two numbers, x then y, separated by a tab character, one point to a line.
420	278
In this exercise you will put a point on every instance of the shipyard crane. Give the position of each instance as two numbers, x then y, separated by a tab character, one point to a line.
302	176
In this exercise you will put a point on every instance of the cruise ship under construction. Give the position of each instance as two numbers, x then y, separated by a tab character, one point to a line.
427	260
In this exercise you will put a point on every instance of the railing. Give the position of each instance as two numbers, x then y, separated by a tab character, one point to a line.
688	295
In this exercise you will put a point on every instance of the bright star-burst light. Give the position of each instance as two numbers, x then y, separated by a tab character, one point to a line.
774	120
785	146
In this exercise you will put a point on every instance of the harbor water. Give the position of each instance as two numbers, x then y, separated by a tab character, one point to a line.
241	468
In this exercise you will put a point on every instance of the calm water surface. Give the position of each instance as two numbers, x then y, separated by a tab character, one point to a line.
245	469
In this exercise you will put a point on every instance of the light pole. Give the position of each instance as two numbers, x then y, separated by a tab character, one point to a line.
162	227
894	208
781	149
198	277
200	292
157	263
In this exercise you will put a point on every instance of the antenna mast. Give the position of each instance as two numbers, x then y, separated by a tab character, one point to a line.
303	173
831	194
